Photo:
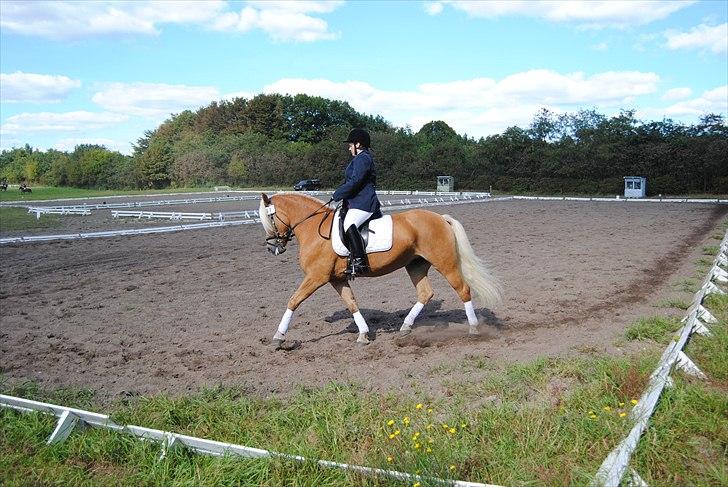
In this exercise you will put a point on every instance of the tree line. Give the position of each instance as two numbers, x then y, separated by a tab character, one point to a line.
276	140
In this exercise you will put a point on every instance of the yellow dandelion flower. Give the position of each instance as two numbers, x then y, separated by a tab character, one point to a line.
607	408
445	426
390	422
591	412
390	459
417	446
429	450
429	426
391	436
396	432
452	430
419	406
621	404
622	415
634	402
416	484
406	420
429	410
463	425
452	467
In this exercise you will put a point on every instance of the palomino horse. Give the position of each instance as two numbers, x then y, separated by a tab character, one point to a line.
421	239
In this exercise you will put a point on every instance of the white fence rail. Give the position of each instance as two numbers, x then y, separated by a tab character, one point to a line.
697	320
70	418
176	215
50	210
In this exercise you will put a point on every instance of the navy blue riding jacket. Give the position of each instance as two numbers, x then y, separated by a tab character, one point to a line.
358	190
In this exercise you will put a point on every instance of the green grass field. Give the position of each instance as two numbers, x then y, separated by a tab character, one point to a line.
12	219
548	422
50	193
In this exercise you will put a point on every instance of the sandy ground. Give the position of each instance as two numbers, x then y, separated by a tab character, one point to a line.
176	312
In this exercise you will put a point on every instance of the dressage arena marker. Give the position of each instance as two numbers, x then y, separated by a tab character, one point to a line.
616	465
70	418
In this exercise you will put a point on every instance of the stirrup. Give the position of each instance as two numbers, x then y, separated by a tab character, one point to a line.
356	267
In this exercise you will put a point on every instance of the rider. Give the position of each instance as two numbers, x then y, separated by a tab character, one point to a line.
360	198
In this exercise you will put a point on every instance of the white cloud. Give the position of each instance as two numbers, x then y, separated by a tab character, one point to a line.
434	8
705	37
482	106
69	144
711	101
602	46
677	94
53	122
68	20
594	14
281	20
153	99
35	88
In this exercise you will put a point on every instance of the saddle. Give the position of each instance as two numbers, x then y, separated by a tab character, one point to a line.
377	235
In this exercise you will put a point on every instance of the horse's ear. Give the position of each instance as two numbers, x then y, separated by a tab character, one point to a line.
266	200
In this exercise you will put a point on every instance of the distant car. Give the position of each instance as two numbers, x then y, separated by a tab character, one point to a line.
308	185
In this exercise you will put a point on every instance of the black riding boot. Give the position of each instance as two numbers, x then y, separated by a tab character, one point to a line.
358	262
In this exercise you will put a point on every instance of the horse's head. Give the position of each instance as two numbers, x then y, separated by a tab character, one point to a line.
277	231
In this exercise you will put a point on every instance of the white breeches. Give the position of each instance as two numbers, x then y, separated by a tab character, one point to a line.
356	217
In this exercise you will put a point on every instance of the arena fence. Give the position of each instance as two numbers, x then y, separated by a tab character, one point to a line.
697	320
71	418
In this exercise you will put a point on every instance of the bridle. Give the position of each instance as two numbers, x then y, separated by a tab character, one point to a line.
277	242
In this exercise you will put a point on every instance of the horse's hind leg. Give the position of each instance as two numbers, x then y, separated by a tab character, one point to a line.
417	270
344	290
451	271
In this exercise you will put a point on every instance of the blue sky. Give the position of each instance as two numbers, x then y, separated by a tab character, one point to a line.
104	72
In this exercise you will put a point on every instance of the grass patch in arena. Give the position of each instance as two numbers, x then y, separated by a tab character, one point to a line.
672	303
656	328
12	219
54	192
711	250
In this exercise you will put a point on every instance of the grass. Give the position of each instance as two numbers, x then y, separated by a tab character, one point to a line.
672	303
656	328
19	219
52	192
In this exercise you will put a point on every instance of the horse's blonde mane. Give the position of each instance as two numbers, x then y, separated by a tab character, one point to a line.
301	195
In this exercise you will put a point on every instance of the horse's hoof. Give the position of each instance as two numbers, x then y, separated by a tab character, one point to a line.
405	330
277	343
473	331
362	340
289	345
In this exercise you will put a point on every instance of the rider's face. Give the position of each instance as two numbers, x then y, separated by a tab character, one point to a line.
354	148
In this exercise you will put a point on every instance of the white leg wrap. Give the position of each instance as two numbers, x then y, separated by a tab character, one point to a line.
361	323
470	312
414	312
285	321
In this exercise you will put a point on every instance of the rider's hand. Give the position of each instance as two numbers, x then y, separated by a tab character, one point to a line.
332	204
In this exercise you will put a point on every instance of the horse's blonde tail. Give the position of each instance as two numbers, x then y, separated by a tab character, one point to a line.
474	270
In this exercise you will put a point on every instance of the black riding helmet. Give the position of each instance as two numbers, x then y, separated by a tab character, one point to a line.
359	135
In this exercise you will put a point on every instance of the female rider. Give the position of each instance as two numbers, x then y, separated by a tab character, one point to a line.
360	198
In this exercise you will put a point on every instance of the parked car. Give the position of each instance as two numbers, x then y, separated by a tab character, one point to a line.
308	185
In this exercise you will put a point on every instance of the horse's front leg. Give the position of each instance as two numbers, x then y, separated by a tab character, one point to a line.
344	290
305	289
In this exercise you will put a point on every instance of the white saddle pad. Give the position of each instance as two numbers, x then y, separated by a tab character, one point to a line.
380	236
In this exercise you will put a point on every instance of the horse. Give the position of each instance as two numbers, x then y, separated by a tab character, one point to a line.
421	239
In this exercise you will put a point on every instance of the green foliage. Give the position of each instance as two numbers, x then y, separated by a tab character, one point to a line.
274	140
